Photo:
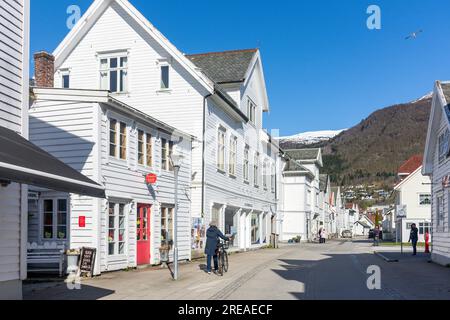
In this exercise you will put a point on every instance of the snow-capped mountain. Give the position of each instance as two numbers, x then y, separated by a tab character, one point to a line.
312	137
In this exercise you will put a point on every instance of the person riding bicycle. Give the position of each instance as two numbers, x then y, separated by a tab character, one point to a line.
213	235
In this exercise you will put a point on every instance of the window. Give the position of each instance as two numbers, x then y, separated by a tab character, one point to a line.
165	77
166	153
113	138
65	79
116	229
255	229
425	199
233	156
55	219
123	141
247	164
273	179
145	149
221	149
265	174
141	159
114	74
251	111
444	146
440	211
256	169
424	227
166	225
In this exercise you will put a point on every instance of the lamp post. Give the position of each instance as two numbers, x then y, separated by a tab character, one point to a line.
176	160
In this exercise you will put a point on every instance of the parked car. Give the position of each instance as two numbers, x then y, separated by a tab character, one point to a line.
347	234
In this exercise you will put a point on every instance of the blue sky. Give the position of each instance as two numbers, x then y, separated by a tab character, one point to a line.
324	68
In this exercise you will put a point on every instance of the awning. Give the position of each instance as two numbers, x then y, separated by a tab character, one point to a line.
23	162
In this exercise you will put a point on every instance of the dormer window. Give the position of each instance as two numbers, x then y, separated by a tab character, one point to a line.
65	79
114	73
251	111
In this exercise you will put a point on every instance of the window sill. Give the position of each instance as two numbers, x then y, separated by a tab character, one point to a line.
221	171
247	182
120	94
232	176
167	91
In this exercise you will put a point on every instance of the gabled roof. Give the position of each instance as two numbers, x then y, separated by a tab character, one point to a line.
411	165
401	183
439	108
306	155
226	66
292	167
95	11
323	182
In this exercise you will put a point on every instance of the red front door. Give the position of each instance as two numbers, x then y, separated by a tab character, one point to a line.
143	234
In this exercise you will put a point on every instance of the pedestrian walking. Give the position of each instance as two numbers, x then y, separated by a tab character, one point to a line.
414	238
376	236
324	236
320	236
213	235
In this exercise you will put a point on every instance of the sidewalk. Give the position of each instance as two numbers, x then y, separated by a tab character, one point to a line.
157	284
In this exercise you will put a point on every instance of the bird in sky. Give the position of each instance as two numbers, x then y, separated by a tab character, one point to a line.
413	35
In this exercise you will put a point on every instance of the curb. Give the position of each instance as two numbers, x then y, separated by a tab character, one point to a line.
384	257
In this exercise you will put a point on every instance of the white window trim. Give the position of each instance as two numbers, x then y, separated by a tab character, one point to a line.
167	154
153	140
167	207
164	62
55	219
62	73
221	167
111	116
256	169
126	209
109	55
251	111
246	164
423	194
232	154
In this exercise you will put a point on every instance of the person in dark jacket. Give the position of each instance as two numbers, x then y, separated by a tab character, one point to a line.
414	237
212	240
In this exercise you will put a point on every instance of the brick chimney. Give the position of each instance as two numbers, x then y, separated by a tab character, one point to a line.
44	69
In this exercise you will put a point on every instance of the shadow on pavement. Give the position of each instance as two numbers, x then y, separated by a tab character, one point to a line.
63	292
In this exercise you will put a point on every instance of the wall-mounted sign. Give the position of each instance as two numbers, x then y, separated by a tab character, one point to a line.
82	222
151	179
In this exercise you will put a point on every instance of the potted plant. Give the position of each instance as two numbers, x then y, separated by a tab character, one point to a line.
72	260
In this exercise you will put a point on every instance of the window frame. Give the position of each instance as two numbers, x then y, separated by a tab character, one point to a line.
167	212
147	148
167	147
65	73
429	197
55	221
163	86
120	71
246	173
119	148
232	153
443	146
256	168
221	149
251	110
116	241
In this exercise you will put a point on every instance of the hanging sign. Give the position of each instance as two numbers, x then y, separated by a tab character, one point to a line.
151	178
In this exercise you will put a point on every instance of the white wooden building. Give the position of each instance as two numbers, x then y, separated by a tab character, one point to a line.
302	209
413	198
116	144
436	165
218	97
21	162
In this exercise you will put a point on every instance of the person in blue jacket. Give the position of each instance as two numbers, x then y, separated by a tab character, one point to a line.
212	240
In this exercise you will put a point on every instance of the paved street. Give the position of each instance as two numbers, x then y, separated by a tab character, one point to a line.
337	270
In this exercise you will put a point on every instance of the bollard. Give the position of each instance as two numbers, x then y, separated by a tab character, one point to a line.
427	242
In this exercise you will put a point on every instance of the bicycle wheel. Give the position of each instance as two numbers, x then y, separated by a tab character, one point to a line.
221	263
225	262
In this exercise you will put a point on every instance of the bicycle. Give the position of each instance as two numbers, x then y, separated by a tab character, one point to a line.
222	256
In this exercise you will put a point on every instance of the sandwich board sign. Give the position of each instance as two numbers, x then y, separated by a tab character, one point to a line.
87	261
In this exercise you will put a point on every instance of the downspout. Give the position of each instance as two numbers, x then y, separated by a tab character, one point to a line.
203	154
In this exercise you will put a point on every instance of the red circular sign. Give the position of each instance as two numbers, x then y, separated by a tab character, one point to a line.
151	178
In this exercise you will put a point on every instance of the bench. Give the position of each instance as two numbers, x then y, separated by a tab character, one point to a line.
50	256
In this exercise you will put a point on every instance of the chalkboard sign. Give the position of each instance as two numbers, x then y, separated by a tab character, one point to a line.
87	261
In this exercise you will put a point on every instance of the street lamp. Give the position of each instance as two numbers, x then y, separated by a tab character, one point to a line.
176	160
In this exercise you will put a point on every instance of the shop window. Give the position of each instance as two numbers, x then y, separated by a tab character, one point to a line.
255	227
167	225
55	219
116	229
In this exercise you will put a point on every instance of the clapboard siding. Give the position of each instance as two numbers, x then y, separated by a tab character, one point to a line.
11	57
441	235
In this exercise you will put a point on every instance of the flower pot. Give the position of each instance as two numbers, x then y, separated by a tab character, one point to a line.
72	263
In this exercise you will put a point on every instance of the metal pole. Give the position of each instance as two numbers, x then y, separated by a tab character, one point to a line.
175	227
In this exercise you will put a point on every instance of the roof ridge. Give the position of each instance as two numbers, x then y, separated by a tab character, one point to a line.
222	52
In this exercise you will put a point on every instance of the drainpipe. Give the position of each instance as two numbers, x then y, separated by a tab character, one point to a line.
203	154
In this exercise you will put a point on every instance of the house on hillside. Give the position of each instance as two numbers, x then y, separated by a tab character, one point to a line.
21	162
305	164
412	200
363	226
436	165
218	98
